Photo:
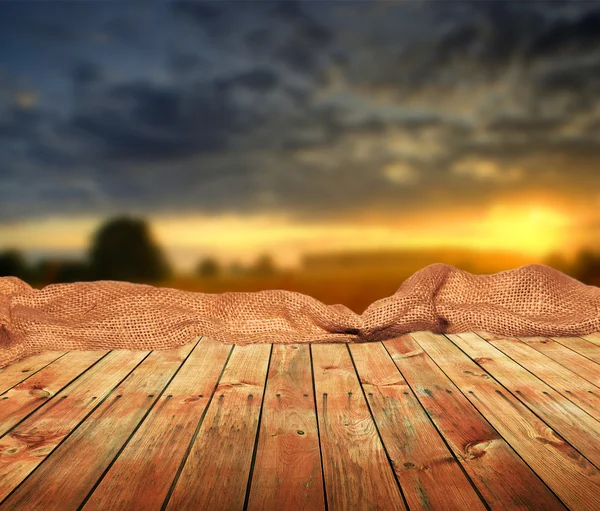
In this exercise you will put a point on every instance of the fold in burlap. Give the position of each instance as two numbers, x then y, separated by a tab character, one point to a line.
530	300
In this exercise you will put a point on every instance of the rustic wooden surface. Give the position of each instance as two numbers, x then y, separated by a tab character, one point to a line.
422	422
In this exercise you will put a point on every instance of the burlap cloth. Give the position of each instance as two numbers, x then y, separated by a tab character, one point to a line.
527	301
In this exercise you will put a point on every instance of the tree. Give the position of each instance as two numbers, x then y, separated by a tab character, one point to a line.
45	271
264	265
236	268
72	271
13	264
53	271
558	261
587	267
123	249
208	267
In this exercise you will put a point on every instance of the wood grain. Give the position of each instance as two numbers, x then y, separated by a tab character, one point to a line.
287	471
68	472
482	451
19	371
584	348
35	391
26	446
567	419
423	421
593	338
141	476
564	354
571	476
215	474
564	381
358	474
429	475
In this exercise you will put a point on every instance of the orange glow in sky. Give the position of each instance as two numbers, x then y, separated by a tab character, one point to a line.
532	229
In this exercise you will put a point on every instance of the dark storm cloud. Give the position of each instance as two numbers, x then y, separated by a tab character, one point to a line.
211	17
19	123
85	73
122	29
306	41
525	125
201	12
144	121
575	34
491	33
182	62
258	39
260	80
571	78
304	106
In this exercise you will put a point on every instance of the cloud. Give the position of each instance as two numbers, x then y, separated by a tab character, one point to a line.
400	173
21	121
143	121
260	80
86	73
525	124
183	62
486	170
123	29
577	81
206	14
313	108
573	34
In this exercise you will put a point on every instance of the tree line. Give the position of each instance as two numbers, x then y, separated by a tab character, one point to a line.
121	249
585	267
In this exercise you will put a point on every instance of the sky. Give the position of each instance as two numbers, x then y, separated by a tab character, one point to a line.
291	127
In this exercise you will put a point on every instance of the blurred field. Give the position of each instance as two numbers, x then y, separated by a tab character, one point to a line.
358	282
123	249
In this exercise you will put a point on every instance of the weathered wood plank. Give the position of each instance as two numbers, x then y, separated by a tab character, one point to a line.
29	395
500	475
585	348
19	371
577	427
287	471
26	446
358	474
215	474
431	478
571	476
141	476
568	384
68	472
561	350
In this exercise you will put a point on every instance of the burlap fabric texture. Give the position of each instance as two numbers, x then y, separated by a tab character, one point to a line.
527	301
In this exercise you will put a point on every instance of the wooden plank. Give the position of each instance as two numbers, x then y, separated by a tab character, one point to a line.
68	472
19	371
561	350
584	348
431	478
221	455
577	427
26	446
141	476
571	476
481	450
593	338
358	474
30	394
567	383
287	470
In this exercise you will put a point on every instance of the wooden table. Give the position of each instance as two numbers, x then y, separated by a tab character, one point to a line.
424	421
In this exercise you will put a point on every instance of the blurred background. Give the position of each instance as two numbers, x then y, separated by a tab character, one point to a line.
327	147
